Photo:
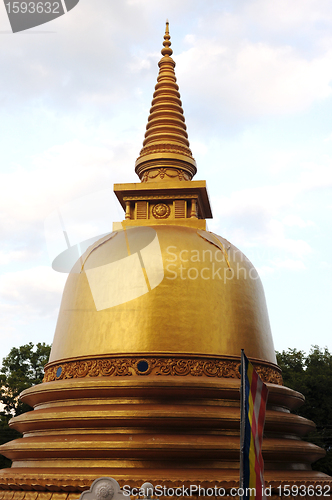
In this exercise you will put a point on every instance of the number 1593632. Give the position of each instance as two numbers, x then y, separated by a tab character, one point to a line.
33	7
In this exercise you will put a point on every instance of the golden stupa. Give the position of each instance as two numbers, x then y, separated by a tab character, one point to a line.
143	378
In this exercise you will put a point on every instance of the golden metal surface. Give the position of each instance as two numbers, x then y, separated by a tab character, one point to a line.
217	314
167	190
166	150
166	435
97	414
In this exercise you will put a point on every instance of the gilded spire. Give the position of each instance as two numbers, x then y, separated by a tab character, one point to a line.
165	153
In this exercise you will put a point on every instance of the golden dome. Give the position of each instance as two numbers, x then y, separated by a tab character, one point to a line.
205	298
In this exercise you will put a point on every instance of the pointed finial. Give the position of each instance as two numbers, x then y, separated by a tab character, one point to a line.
165	154
167	51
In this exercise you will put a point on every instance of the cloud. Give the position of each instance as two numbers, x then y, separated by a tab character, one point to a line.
33	292
253	79
317	177
22	255
305	23
254	207
291	264
29	304
292	220
236	68
30	298
69	69
276	265
58	175
286	16
254	219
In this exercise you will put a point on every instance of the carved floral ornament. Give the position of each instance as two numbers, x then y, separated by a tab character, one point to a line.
162	172
103	488
161	211
136	366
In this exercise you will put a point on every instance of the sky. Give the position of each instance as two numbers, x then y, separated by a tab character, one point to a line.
255	79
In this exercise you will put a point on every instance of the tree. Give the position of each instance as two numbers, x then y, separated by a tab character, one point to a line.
312	376
21	369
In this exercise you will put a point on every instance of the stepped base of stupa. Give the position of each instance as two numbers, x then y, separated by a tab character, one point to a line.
170	430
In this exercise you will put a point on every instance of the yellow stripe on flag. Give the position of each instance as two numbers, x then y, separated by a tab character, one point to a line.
252	455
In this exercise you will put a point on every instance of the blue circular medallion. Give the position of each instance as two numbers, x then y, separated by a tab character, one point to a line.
142	366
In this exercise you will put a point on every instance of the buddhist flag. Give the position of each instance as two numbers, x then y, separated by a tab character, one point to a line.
253	405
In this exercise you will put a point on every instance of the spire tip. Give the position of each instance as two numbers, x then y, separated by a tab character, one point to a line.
167	42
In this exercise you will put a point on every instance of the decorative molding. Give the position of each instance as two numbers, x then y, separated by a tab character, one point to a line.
162	172
161	197
18	486
161	211
165	148
172	366
267	374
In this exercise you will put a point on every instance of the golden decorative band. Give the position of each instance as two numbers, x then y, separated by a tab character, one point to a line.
166	148
166	366
163	172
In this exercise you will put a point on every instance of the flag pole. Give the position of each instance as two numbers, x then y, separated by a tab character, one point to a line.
242	421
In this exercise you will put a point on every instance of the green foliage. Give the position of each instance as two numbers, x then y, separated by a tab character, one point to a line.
312	376
6	434
21	369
